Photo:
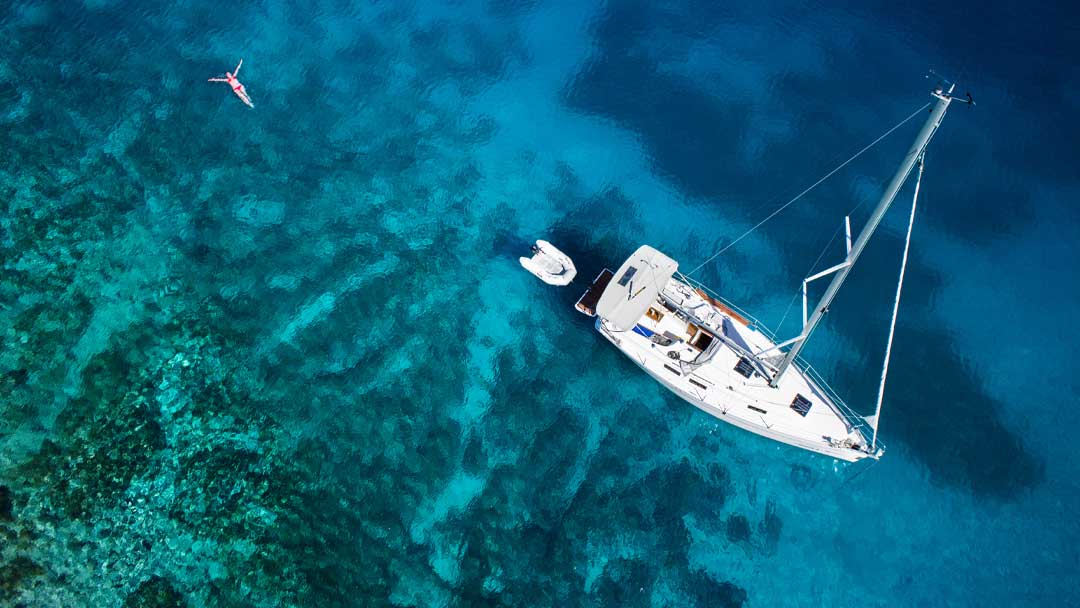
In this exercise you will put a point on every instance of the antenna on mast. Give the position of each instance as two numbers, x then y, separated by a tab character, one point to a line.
943	82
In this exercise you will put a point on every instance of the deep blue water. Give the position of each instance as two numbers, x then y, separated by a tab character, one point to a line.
286	356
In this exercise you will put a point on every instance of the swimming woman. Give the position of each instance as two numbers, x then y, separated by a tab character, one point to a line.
230	78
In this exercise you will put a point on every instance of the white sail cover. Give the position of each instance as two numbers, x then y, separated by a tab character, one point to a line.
634	288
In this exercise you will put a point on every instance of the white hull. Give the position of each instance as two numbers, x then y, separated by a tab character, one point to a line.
842	453
692	345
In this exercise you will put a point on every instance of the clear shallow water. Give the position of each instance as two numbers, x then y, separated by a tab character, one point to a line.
286	356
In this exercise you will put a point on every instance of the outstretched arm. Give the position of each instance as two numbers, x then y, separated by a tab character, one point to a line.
237	70
216	80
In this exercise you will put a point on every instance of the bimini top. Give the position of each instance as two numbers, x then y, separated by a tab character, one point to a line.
634	288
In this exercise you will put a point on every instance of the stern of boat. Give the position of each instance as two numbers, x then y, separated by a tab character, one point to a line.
586	304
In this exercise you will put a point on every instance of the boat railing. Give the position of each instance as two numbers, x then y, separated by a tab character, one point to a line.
757	324
842	408
839	405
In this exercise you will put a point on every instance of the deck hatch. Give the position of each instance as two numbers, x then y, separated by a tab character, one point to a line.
801	404
744	367
626	276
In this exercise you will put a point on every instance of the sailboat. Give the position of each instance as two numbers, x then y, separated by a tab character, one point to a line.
714	355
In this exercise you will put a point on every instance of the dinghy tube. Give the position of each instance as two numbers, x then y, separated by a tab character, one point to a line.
549	264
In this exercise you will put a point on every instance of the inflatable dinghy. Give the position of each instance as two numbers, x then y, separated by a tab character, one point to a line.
549	264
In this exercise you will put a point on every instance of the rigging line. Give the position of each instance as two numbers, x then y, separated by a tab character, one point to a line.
795	296
863	470
813	267
815	185
896	306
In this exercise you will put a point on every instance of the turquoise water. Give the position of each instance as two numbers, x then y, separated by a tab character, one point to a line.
286	356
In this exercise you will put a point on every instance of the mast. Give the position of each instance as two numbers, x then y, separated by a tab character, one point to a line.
912	157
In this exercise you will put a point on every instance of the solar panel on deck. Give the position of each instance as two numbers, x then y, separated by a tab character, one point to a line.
801	404
744	367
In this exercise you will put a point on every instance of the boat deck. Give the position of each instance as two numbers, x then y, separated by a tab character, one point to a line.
587	302
700	352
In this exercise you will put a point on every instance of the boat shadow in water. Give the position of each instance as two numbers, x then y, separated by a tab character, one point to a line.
936	404
945	414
